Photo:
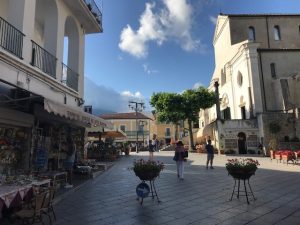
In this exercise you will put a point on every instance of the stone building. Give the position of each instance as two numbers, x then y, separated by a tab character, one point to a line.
257	80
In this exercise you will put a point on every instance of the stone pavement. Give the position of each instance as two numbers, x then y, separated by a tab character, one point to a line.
201	198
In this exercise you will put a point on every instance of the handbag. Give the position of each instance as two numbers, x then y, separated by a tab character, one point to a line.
175	158
186	154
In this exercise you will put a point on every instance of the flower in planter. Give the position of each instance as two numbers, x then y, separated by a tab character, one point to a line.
246	165
147	169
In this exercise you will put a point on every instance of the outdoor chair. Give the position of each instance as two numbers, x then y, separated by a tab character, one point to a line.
287	156
278	156
32	215
47	207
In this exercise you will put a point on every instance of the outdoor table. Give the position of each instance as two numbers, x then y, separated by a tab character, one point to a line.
8	193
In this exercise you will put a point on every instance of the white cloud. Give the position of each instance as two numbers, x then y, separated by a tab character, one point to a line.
173	22
213	19
105	99
148	70
198	84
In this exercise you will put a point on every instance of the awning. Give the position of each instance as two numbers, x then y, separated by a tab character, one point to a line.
75	114
107	134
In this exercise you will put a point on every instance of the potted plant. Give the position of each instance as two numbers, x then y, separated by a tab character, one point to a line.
241	168
147	170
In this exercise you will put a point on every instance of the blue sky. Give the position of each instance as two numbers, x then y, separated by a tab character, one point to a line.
157	46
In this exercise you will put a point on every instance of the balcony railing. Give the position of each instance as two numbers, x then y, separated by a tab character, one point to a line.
43	60
94	10
69	77
11	39
133	133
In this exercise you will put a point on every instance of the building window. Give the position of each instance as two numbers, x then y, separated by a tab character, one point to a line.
123	128
168	132
240	78
223	77
195	125
243	112
225	114
273	70
277	35
251	33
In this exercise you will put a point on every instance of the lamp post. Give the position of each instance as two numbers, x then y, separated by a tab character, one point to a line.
137	107
142	123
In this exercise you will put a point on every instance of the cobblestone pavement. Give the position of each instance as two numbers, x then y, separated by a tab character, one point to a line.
201	198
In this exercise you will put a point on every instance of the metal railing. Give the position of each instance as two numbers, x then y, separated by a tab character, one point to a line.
69	77
11	39
91	4
43	60
133	133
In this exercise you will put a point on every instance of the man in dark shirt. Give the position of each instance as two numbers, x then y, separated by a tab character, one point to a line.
210	154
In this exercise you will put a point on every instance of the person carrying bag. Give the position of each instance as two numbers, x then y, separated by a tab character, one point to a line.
179	157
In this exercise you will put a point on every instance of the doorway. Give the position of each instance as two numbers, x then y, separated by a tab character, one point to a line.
242	143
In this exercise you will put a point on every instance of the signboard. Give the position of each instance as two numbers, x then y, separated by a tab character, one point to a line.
142	190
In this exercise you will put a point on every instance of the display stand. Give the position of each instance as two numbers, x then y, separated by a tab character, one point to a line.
245	192
143	190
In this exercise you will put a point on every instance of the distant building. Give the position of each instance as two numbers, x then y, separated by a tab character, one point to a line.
136	126
257	79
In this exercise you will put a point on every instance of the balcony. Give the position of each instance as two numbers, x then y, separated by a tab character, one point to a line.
94	10
133	133
11	39
88	13
43	60
69	77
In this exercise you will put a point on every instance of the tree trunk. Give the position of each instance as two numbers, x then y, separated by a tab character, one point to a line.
191	135
176	131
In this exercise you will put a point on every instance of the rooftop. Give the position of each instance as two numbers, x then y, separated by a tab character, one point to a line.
128	116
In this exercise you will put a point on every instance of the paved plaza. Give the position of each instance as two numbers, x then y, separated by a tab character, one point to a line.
201	198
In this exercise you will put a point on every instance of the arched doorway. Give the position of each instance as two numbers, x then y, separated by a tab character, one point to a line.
242	143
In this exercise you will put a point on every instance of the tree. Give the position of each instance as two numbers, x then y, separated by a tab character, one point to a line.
173	107
167	108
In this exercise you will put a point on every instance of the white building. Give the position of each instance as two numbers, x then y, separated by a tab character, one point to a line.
41	97
257	72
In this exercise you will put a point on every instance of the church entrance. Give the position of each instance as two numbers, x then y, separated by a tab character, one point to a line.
242	143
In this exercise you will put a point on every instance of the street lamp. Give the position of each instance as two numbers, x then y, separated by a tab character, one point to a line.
142	123
137	107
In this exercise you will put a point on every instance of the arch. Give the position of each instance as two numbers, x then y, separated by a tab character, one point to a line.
46	25
242	100
240	78
277	35
251	33
242	143
71	48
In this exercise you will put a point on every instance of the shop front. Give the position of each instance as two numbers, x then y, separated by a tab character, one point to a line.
54	123
15	139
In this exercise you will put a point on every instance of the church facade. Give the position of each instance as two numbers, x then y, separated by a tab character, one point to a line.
257	80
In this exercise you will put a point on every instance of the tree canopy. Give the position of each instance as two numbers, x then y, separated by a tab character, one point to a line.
174	107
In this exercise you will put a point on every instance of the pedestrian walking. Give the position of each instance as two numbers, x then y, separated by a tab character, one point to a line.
210	154
179	158
153	145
